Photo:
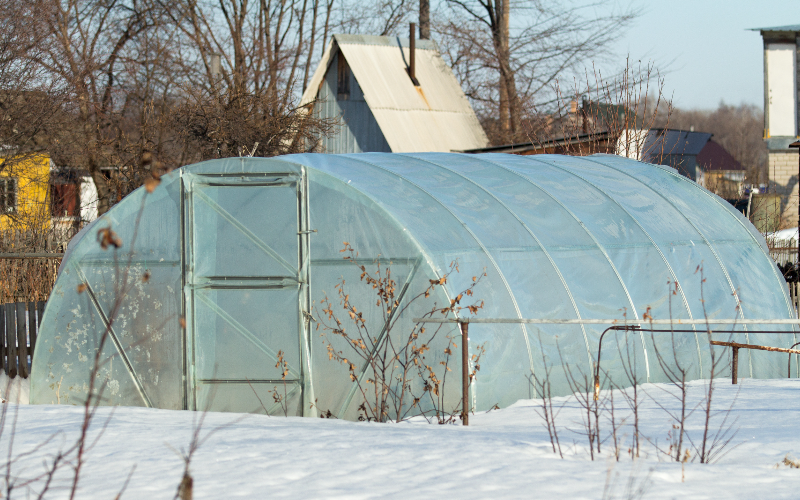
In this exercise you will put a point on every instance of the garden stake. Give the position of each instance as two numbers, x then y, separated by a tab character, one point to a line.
464	372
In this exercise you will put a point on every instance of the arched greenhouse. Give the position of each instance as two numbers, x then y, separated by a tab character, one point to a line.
224	266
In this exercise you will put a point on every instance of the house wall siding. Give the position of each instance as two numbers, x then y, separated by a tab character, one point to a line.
32	207
357	131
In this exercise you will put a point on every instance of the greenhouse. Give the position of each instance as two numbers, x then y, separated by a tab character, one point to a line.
214	299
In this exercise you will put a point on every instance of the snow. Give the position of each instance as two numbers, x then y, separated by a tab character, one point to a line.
14	390
503	453
784	235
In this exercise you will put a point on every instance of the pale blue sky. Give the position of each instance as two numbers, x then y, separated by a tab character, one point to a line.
706	46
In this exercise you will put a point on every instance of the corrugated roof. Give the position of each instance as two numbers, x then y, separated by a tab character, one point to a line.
673	142
436	116
791	27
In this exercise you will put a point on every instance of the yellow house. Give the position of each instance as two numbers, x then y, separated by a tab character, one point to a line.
24	192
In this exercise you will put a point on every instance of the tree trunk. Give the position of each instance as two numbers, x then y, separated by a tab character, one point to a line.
500	36
424	19
102	185
505	122
311	44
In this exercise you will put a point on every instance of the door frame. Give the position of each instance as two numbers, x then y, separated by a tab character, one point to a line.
189	182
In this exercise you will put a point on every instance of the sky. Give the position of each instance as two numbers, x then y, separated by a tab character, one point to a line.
706	47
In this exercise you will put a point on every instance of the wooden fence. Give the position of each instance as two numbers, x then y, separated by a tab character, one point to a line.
794	295
783	254
19	326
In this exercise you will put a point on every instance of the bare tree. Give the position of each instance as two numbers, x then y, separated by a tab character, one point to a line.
241	77
380	17
27	99
92	50
130	88
506	67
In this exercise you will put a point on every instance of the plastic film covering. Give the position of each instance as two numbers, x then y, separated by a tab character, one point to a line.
245	251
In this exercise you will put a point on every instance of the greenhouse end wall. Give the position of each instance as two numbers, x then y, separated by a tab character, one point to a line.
214	300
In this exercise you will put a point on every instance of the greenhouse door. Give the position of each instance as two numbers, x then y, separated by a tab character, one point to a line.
245	293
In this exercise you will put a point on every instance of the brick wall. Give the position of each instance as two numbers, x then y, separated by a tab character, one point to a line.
783	179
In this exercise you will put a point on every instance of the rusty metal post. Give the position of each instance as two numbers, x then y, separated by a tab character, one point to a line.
31	328
22	341
412	56
11	340
735	365
464	372
789	372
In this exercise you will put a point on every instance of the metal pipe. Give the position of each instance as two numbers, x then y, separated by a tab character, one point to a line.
412	66
653	330
754	346
464	372
599	350
541	321
735	365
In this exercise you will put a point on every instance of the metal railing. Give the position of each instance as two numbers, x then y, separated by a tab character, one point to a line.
623	325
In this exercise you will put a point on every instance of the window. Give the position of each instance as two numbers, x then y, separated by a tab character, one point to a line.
343	80
8	194
64	200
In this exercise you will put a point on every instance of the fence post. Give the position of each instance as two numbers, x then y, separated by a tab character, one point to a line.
11	340
464	372
735	365
31	328
22	340
39	312
2	337
796	286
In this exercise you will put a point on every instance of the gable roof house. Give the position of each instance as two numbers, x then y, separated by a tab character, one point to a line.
391	96
675	148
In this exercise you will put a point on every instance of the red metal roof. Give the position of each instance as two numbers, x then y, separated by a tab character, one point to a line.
715	157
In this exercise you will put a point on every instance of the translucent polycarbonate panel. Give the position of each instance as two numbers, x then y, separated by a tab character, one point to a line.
435	225
492	223
242	230
339	214
331	375
238	333
244	167
709	214
652	264
251	398
736	250
137	289
145	308
70	356
573	247
758	300
430	223
334	390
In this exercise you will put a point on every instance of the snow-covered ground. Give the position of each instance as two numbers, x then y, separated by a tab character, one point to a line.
502	454
14	390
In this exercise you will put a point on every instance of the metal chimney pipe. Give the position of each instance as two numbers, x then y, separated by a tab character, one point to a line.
411	46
